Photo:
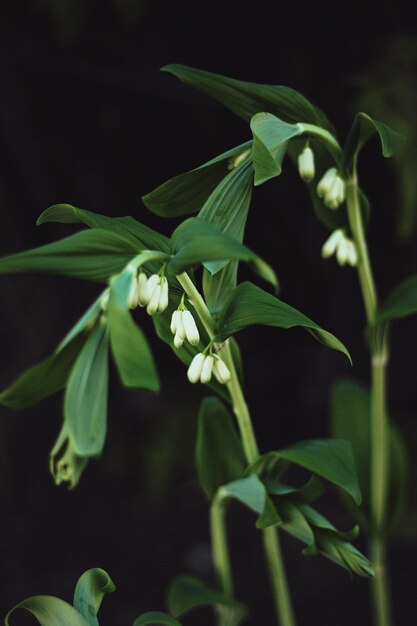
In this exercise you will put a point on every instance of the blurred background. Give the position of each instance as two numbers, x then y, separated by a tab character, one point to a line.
87	118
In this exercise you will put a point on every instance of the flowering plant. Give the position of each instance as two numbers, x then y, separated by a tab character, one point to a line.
188	284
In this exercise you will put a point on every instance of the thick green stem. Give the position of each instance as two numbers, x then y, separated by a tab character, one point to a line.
379	452
219	545
272	547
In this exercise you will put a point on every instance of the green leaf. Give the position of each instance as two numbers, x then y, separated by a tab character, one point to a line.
219	453
270	139
157	618
188	192
350	413
249	305
92	255
65	464
85	404
196	241
401	302
251	492
362	129
245	99
129	346
186	593
89	593
140	235
50	611
44	378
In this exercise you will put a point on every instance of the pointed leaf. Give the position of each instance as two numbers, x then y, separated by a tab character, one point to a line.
140	235
270	138
92	255
85	405
401	302
245	99
188	192
50	611
129	346
156	618
89	593
362	129
219	453
188	592
196	241
249	305
44	378
251	492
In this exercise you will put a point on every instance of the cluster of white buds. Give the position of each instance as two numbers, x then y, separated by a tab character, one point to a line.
203	366
332	189
306	166
183	326
151	292
338	243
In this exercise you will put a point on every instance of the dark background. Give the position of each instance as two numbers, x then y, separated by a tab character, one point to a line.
87	118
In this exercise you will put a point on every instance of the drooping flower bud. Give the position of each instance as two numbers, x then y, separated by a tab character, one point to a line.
178	341
153	305
306	164
338	243
332	189
190	327
207	369
142	290
221	371
163	298
195	368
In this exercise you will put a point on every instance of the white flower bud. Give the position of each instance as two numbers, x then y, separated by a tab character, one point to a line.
344	248
142	290
306	164
342	252
221	371
326	182
190	328
336	194
207	369
329	248
174	321
153	305
352	257
163	298
178	341
195	368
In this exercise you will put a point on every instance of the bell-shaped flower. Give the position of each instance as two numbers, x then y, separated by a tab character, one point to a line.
196	367
306	166
207	369
142	290
183	326
332	189
343	247
157	294
221	371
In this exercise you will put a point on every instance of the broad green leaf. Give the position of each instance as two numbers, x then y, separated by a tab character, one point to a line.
85	404
188	192
89	593
93	254
44	378
65	464
186	593
401	302
49	611
251	492
219	453
129	228
249	305
196	241
157	619
362	129
270	139
350	413
245	99
129	347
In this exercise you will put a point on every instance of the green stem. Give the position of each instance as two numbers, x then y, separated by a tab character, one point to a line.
219	545
379	452
282	598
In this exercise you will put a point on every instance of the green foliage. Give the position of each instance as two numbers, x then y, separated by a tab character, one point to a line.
187	593
187	193
156	618
351	420
219	453
363	128
52	611
249	305
401	302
